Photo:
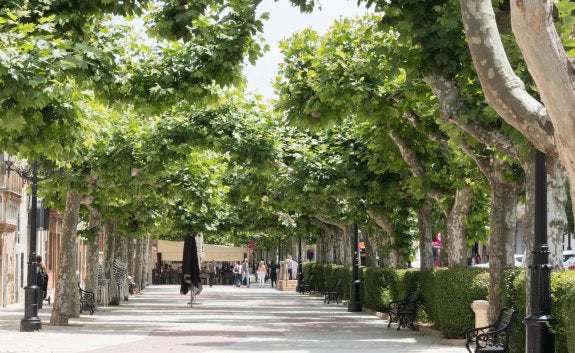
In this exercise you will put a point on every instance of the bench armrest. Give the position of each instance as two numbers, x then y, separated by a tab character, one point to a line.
487	338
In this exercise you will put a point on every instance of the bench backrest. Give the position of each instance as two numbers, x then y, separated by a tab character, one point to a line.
120	269
413	296
505	319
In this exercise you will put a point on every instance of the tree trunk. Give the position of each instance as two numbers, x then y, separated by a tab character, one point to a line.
503	90
425	226
323	251
131	254
371	243
384	251
92	255
340	245
139	261
503	224
149	261
389	256
556	215
66	301
348	251
552	71
528	223
110	248
457	229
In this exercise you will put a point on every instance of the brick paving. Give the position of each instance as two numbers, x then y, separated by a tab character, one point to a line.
222	319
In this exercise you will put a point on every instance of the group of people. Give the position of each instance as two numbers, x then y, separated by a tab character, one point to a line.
242	272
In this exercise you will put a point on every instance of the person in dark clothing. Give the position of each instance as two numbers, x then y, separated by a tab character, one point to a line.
41	277
274	273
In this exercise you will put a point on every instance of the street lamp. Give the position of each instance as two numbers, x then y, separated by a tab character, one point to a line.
538	333
31	321
355	304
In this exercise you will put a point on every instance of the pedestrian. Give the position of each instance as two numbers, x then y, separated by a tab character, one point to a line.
289	265
274	273
237	273
262	272
246	273
212	273
41	277
294	269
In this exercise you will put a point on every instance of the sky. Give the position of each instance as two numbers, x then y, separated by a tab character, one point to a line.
284	20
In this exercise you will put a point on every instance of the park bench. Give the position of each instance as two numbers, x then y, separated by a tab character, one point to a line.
492	338
120	275
87	300
404	311
332	294
307	285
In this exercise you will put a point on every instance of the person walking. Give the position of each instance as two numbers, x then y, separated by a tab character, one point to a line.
262	272
237	271
41	280
212	272
246	272
274	273
289	265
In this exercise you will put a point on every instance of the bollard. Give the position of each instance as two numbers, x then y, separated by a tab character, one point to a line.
480	308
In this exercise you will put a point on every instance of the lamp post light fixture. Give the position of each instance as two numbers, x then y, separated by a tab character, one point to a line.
31	321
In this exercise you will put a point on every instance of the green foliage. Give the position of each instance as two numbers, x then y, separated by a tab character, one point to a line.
455	290
375	290
448	294
563	295
513	281
565	24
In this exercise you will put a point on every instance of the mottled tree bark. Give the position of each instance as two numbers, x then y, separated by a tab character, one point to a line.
389	255
556	216
503	223
425	227
131	254
552	70
457	229
110	248
92	256
550	126
66	301
139	261
371	240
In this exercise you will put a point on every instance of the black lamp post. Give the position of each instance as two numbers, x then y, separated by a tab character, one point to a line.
299	267
355	304
538	335
31	321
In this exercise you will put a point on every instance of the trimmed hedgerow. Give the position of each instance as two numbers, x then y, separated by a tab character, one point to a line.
448	294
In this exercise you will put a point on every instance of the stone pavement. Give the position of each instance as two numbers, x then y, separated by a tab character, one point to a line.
221	319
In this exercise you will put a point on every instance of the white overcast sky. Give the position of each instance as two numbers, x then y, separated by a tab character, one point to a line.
284	20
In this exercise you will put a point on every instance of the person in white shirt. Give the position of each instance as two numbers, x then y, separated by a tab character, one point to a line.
262	272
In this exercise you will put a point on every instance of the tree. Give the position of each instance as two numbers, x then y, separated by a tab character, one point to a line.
548	123
350	71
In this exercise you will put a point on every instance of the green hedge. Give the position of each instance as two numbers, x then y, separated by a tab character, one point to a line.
448	294
563	309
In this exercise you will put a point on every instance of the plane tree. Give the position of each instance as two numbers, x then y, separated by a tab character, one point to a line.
354	70
63	54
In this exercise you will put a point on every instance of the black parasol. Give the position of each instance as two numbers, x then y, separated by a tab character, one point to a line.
190	267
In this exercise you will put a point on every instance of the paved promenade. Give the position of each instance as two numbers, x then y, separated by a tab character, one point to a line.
222	319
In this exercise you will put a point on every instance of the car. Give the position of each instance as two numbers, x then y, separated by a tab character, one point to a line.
570	263
567	254
519	260
483	265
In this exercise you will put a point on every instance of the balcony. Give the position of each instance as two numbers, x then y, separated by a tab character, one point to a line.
10	197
